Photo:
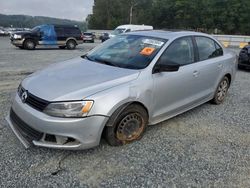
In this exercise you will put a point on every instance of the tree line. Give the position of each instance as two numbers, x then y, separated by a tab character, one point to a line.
24	21
222	16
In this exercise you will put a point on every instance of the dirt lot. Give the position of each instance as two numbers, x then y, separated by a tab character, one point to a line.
208	146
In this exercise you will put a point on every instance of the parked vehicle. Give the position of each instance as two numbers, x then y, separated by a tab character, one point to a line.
244	58
127	28
2	33
57	35
88	37
117	89
104	37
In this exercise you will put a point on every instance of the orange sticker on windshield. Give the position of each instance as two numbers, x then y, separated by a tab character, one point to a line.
147	51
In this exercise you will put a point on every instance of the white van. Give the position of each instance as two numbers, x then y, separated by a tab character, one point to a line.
127	28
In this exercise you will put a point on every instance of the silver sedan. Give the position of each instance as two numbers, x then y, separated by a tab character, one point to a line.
119	88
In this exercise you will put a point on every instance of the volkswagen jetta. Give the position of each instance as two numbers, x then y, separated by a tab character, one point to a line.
117	89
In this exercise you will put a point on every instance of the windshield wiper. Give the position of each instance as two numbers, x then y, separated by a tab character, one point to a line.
105	62
87	57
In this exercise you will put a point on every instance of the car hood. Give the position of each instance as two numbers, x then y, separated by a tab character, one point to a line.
21	32
76	79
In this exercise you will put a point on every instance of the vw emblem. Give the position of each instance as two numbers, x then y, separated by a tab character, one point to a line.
24	96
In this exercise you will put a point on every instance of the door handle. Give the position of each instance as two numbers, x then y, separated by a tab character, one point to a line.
195	73
220	65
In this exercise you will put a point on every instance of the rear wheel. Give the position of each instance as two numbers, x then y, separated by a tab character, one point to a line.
71	44
127	127
221	91
29	44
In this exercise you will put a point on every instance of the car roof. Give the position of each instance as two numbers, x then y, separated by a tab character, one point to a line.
167	34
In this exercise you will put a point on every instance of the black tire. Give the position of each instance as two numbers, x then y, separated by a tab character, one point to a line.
62	47
29	44
126	125
71	44
221	91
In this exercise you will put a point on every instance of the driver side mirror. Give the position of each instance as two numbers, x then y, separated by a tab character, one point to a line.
165	66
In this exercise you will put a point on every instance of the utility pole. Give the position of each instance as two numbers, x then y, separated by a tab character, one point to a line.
133	4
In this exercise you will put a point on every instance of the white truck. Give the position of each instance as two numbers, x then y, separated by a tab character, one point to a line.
127	28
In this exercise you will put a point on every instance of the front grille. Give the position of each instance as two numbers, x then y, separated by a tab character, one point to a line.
25	130
32	100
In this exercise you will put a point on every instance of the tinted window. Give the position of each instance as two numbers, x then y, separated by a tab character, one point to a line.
181	52
71	30
59	31
208	48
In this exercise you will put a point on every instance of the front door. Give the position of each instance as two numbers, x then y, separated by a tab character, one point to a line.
174	91
48	35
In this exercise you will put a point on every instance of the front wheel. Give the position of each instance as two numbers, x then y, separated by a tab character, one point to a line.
127	127
221	91
29	44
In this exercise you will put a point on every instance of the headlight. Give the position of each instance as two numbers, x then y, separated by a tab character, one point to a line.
69	109
17	36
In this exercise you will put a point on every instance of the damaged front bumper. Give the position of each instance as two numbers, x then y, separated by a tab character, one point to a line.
36	128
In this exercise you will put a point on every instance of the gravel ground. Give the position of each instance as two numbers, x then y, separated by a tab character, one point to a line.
208	146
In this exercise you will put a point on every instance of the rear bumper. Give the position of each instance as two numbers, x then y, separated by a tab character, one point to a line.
88	39
86	132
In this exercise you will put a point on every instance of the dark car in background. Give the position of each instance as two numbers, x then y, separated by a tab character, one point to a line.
104	37
88	37
244	58
59	35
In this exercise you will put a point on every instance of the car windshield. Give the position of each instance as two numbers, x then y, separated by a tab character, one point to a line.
127	51
118	31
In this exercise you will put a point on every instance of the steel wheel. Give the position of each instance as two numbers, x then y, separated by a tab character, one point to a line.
130	127
126	125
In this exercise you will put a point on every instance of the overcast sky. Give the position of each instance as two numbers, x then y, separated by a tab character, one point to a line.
69	9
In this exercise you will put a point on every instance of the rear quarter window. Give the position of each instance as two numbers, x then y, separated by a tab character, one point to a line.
208	48
72	31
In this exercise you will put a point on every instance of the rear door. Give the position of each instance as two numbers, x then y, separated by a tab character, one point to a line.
61	36
209	66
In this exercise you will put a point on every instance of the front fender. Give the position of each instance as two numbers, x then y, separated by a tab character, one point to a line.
108	101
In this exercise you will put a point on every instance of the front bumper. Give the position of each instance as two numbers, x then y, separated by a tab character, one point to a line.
244	64
84	133
17	42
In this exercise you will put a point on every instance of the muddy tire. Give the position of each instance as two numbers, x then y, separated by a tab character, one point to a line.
126	126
